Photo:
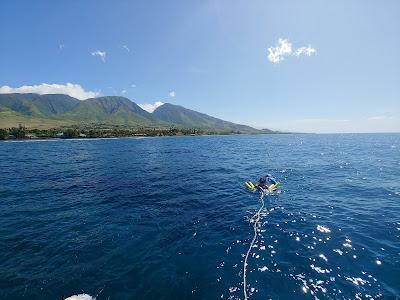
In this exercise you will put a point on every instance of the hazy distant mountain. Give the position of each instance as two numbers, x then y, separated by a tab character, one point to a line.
189	118
266	130
47	111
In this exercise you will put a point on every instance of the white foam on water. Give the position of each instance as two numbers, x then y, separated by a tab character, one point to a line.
318	285
323	257
356	281
319	270
80	297
348	245
255	220
323	229
233	289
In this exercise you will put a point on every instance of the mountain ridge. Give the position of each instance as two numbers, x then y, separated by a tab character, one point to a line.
189	118
56	110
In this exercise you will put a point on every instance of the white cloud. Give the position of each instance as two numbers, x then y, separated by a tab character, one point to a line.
308	51
377	118
101	54
172	94
126	48
151	107
133	85
73	90
123	92
284	48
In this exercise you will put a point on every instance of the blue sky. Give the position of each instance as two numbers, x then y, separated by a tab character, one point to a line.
212	56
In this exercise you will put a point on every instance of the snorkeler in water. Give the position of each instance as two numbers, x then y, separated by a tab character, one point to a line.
263	182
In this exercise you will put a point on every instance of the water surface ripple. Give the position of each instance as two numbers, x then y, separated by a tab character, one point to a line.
169	218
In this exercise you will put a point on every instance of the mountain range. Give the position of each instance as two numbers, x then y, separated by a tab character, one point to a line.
56	110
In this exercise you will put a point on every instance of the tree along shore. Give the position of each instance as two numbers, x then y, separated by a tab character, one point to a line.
23	132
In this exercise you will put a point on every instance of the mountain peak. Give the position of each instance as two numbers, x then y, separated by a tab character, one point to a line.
185	117
112	110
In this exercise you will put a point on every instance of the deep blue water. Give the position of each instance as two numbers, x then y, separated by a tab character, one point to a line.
169	218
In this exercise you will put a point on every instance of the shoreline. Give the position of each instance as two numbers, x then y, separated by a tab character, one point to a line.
24	133
42	139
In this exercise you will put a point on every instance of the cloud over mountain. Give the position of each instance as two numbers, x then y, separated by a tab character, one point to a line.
151	107
70	89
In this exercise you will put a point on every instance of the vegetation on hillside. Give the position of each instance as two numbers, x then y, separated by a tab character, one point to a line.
46	112
102	131
189	118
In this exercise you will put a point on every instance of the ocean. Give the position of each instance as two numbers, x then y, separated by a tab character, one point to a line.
170	218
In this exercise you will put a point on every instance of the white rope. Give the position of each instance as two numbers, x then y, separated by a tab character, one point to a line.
256	218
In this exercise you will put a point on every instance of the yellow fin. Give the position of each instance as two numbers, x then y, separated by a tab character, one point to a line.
274	186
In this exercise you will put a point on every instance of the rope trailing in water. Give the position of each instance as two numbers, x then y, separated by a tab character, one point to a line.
256	218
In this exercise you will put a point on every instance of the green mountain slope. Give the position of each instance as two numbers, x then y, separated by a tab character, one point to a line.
113	110
20	103
37	105
50	105
49	111
189	118
10	119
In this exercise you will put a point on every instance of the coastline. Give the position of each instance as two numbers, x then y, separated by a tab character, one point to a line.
24	133
44	139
